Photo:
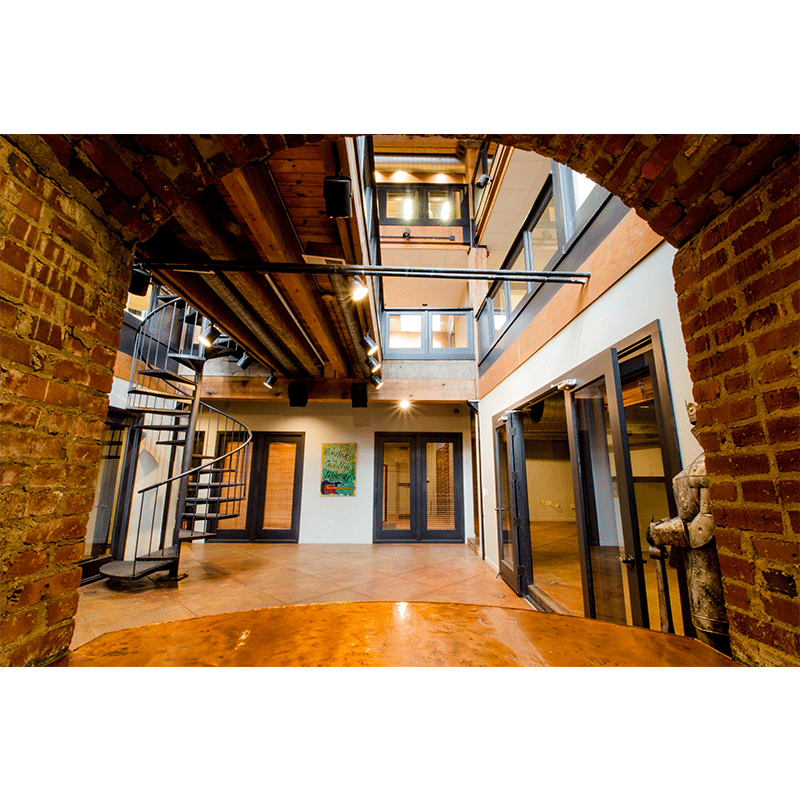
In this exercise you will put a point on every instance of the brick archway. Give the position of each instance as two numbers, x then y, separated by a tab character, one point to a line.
75	206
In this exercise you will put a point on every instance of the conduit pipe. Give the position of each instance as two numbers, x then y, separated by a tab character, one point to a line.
229	297
353	327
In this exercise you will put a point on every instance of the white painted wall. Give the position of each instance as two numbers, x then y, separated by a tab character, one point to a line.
643	295
348	520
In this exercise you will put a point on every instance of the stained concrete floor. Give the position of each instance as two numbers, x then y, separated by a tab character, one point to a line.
225	577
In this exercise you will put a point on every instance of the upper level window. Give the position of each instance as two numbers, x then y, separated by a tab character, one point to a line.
578	199
422	204
429	333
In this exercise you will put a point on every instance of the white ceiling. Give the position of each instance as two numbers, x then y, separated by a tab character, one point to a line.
521	184
524	179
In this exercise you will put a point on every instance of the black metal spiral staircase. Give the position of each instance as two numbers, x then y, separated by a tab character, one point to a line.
186	461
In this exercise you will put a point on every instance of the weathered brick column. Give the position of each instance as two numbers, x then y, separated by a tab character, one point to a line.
738	285
63	288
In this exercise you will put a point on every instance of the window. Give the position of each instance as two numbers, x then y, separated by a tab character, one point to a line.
431	333
566	205
422	204
579	199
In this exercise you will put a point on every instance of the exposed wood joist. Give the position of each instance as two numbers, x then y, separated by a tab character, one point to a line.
260	206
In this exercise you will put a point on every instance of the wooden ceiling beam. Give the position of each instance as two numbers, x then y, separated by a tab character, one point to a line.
259	204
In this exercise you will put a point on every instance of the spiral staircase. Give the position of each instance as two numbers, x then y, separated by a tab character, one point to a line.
186	463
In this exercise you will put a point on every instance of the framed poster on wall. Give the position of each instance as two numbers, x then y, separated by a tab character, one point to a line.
338	470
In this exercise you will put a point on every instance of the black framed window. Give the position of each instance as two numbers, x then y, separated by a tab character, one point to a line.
422	204
427	333
578	199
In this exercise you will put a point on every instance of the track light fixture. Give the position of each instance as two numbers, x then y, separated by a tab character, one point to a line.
358	289
209	334
373	363
245	361
370	346
270	381
376	381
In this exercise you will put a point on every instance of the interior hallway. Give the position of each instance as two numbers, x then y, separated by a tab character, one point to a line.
234	577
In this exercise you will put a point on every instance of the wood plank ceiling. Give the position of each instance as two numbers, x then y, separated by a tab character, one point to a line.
271	211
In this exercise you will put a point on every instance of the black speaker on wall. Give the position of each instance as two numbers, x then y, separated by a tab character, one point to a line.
298	395
358	395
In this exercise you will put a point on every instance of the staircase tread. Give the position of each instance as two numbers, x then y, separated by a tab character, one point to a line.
134	569
167	375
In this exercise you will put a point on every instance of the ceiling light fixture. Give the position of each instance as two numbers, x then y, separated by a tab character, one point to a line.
245	361
209	334
270	381
373	363
405	403
369	346
358	289
376	381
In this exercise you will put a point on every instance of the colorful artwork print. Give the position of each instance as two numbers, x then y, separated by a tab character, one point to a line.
338	470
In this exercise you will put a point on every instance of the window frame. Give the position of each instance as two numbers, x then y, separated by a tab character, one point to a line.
570	223
461	212
427	352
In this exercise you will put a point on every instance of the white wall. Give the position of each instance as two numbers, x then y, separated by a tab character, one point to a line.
349	519
643	295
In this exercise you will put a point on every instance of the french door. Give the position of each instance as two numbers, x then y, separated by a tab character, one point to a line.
419	494
270	508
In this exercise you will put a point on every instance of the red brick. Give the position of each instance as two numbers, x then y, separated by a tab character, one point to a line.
737	568
781	399
748	464
788	460
789	490
69	553
777	339
723	491
785	243
61	609
784	429
14	255
739	382
780	581
27	562
761	520
749	435
47	475
43	648
781	639
728	539
782	609
56	531
16	626
777	369
759	492
736	595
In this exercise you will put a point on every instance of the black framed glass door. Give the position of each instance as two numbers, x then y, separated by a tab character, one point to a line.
271	491
612	555
419	495
512	502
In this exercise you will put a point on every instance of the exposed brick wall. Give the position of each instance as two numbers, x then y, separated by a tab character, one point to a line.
738	286
63	283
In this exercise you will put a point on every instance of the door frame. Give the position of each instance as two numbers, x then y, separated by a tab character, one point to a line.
417	532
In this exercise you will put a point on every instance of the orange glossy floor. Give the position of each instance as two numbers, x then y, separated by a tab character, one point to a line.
234	577
348	605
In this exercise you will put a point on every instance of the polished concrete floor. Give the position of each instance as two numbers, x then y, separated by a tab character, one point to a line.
224	577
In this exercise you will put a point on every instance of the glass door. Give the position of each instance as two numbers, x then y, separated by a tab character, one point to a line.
418	488
272	490
614	587
512	499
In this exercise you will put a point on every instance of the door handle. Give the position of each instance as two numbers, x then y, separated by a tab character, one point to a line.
629	560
